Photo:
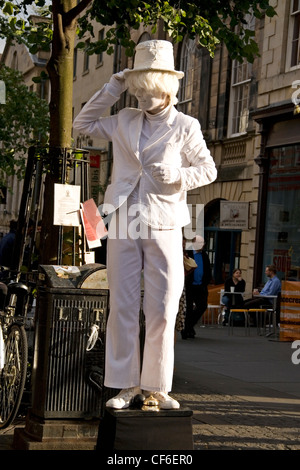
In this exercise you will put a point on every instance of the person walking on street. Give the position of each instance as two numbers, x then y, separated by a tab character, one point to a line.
196	288
7	245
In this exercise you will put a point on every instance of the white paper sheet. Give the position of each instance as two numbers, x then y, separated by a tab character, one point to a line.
66	205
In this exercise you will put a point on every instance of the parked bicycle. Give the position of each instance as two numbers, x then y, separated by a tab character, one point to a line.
13	350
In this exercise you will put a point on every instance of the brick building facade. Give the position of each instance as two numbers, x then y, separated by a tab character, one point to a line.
246	112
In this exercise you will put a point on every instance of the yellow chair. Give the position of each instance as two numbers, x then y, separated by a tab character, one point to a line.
261	319
246	318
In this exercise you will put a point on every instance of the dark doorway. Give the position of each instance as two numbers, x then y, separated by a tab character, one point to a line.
223	246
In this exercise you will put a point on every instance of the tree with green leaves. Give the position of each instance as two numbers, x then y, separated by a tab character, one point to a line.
208	21
24	121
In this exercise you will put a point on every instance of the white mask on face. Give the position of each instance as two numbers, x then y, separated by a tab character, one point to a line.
153	102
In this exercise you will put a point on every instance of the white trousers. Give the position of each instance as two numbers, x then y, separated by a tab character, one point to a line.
159	254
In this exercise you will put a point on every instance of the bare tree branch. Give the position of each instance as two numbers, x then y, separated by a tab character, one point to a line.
75	12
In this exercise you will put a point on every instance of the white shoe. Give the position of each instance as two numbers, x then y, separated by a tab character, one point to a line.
123	399
165	402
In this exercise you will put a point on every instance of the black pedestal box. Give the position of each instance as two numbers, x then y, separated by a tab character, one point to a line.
132	429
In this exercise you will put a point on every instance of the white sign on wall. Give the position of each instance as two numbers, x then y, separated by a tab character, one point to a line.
234	215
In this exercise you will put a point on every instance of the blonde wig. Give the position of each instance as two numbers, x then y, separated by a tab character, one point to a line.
163	82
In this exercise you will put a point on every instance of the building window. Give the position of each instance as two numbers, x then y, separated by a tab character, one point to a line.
14	62
186	83
144	37
294	35
75	63
239	97
282	245
86	59
100	55
240	92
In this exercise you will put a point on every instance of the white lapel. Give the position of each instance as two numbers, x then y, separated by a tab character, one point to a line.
134	133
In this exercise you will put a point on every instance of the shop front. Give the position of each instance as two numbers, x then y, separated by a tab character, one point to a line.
282	232
278	224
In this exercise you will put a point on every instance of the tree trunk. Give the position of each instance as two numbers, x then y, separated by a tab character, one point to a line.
60	70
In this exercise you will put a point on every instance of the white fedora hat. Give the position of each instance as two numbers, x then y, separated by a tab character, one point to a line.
156	55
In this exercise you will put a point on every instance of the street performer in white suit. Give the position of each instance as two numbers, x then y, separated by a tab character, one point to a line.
158	154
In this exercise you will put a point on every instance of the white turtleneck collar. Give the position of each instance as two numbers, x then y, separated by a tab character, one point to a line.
161	116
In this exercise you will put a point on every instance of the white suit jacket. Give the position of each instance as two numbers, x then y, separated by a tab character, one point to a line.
177	142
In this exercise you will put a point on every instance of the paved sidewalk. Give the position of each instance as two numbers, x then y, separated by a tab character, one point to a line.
244	391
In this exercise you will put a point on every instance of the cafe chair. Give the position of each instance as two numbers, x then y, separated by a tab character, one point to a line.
231	325
213	313
263	317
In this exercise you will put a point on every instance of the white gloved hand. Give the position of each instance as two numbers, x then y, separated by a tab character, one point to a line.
166	174
118	81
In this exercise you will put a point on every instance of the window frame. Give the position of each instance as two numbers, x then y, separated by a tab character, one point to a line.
293	29
75	58
185	93
240	88
99	60
86	59
239	93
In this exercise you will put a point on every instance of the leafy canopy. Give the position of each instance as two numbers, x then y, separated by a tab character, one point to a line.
209	21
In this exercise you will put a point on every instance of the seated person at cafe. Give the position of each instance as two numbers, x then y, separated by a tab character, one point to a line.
236	284
271	288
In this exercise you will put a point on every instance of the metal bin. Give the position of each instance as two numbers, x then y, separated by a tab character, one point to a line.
67	380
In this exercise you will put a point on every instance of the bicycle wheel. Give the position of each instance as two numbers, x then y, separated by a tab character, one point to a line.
13	374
